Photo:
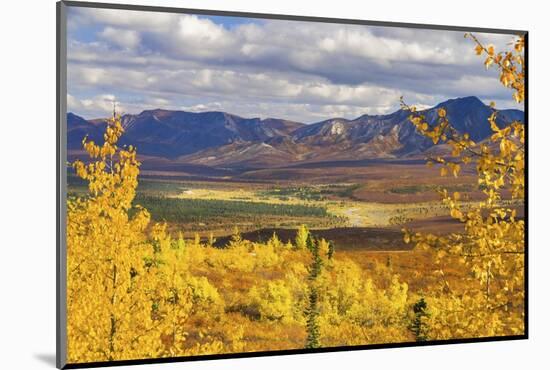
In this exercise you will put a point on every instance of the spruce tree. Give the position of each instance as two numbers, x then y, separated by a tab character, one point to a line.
312	311
331	249
317	263
310	243
418	325
312	324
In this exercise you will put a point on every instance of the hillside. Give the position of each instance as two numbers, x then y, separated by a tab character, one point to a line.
220	139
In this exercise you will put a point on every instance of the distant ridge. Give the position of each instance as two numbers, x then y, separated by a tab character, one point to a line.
174	133
221	139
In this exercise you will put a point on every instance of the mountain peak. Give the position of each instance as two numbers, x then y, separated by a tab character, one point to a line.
173	134
71	115
467	102
159	113
74	119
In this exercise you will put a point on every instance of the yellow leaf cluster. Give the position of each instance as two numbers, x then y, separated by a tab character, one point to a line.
492	242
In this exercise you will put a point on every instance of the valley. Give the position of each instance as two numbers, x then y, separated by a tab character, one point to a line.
358	205
211	173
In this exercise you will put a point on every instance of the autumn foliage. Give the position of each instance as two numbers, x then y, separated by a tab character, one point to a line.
492	244
136	291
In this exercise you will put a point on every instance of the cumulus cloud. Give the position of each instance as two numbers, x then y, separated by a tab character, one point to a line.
297	70
125	38
94	107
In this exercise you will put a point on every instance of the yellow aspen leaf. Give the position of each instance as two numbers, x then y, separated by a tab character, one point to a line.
479	49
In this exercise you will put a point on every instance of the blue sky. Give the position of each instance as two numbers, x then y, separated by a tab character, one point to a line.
302	71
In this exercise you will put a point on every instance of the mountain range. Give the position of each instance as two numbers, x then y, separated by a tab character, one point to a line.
219	139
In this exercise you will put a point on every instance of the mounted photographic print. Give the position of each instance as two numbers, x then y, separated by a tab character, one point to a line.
237	184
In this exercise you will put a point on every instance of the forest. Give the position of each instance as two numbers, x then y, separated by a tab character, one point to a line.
139	289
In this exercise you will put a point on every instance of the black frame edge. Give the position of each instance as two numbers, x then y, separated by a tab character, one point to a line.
164	360
61	188
227	13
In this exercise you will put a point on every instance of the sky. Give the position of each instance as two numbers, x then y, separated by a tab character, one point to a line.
301	71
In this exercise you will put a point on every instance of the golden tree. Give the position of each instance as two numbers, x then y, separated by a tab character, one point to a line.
302	236
492	243
114	307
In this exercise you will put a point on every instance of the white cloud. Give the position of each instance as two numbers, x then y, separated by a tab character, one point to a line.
125	38
232	85
297	70
137	20
94	107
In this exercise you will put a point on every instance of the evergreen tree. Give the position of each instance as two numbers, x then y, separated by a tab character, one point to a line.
312	311
317	263
312	324
331	249
310	243
418	325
